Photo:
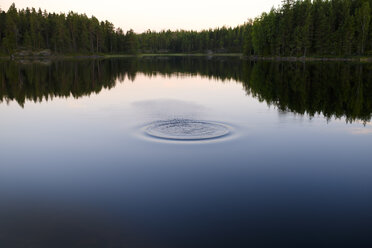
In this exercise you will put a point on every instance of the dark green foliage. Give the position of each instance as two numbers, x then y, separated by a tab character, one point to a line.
217	40
297	28
131	42
28	29
315	28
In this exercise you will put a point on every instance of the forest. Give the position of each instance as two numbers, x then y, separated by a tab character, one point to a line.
296	28
61	33
315	28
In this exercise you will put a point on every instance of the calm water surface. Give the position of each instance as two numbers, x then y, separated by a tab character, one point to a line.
185	152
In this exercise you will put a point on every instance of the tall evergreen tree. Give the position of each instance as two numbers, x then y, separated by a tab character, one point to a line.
363	18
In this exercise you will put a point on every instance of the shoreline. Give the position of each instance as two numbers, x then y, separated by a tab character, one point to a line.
362	59
310	59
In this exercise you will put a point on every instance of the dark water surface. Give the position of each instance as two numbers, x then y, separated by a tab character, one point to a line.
185	152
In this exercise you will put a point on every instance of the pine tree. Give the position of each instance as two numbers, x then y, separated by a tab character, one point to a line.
131	42
10	40
363	18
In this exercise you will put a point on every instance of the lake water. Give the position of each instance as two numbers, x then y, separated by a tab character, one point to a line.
185	152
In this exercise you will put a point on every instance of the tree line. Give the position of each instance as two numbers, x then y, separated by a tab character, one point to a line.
222	40
318	27
296	28
61	33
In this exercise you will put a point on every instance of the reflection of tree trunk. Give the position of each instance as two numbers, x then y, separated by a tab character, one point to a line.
50	74
93	80
360	73
98	69
20	79
360	81
93	77
76	81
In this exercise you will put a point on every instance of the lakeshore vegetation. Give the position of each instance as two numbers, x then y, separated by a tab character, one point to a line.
296	28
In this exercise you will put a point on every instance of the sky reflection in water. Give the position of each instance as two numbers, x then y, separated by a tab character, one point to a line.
79	171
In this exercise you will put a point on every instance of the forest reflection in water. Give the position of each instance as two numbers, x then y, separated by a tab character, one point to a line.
114	169
335	89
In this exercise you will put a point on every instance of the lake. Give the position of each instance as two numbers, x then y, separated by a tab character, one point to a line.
185	152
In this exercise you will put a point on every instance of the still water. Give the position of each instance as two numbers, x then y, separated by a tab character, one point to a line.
185	152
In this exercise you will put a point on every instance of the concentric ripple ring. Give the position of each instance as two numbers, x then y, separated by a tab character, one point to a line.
186	130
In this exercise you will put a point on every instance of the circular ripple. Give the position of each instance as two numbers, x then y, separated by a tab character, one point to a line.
187	130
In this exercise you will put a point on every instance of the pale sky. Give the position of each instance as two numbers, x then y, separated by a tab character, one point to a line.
141	15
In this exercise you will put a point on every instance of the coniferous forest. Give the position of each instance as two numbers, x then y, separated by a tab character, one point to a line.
296	28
